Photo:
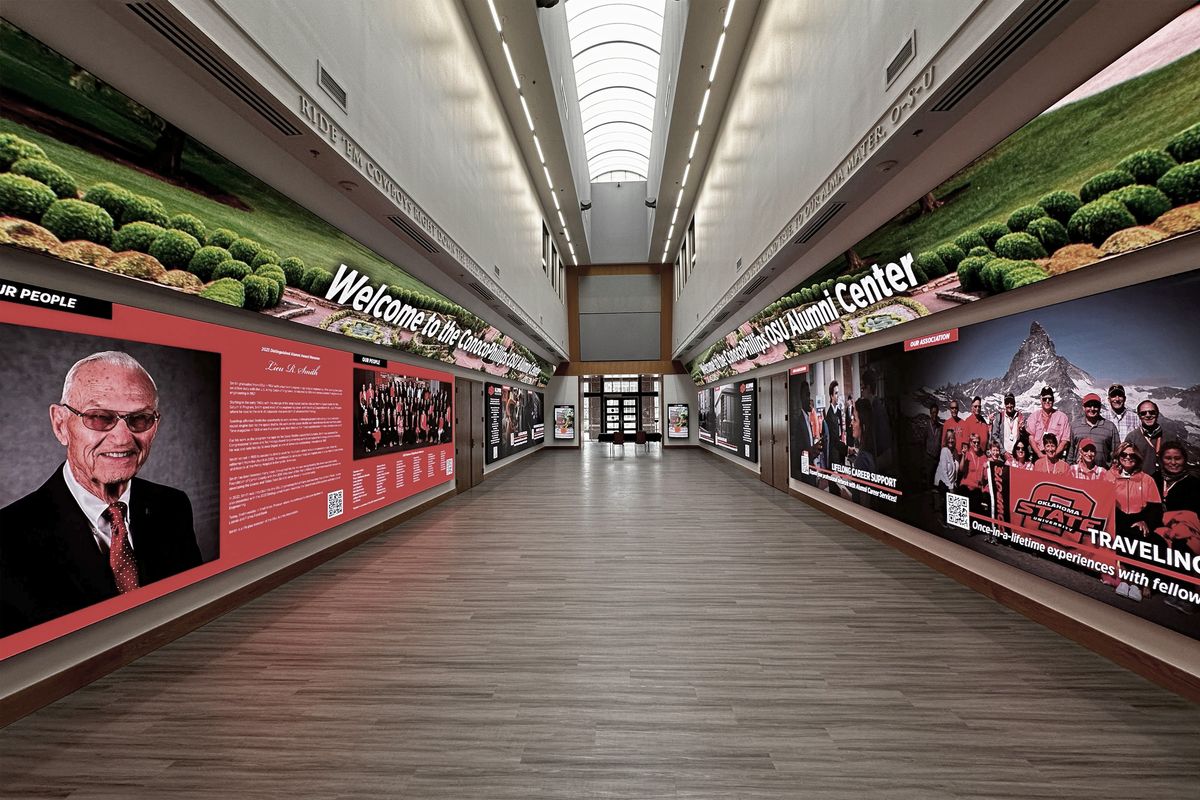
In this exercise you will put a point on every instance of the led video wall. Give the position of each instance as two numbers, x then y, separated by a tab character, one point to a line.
1063	441
729	418
144	452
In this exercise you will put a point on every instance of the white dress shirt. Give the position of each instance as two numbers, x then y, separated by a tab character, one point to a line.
96	510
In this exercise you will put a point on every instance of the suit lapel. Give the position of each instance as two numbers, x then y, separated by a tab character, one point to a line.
73	533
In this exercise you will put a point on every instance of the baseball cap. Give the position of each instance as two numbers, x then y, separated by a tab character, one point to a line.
1085	443
1091	397
1009	398
1116	390
1046	390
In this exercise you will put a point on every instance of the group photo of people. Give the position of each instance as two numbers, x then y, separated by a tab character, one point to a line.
393	413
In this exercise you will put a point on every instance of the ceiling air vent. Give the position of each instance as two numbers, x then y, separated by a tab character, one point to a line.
520	323
421	239
738	266
999	52
332	88
818	222
717	320
479	289
902	60
752	287
212	65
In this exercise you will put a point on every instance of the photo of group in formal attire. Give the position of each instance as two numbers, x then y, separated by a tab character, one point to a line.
395	412
111	467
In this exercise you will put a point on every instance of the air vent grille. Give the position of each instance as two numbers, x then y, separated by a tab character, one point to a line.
717	320
994	57
421	239
332	88
738	266
478	289
753	286
212	65
818	222
515	320
902	60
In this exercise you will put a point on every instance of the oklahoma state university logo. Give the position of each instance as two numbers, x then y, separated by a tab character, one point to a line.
1057	509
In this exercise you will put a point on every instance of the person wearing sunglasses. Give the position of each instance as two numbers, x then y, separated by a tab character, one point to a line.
1148	438
1139	506
94	530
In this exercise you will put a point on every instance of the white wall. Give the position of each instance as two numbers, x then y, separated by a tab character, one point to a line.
618	232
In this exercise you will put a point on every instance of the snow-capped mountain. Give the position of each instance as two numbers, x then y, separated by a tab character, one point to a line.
1036	364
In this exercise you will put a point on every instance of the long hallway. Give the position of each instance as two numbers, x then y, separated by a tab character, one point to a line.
680	630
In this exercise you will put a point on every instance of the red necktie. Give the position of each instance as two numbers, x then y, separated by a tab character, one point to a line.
120	552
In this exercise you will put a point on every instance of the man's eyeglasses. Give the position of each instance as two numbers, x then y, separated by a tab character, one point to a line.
100	419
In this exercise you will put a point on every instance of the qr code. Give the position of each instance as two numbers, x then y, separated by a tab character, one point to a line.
958	511
333	504
804	462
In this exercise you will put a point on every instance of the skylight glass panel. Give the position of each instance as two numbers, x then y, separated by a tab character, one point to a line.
615	47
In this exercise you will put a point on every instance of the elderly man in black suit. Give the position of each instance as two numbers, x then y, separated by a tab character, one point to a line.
94	531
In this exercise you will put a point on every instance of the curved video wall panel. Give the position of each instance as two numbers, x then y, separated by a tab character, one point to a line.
1063	441
145	452
515	420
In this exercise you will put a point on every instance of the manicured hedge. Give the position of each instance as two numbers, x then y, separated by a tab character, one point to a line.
1185	145
275	274
233	268
257	291
931	264
13	148
1050	232
1101	184
222	237
245	249
226	290
175	249
316	280
24	197
137	236
75	219
1147	166
294	269
1182	183
968	272
265	256
190	224
969	241
110	197
206	260
981	250
143	209
49	173
991	232
1019	246
1019	220
1146	203
1099	219
950	254
1060	205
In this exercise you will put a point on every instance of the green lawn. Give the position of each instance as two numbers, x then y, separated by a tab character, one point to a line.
30	69
1058	150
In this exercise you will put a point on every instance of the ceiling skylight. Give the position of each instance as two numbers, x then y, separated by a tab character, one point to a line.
615	46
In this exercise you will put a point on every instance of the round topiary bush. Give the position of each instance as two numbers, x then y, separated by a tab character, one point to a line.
981	250
175	249
1019	246
1099	219
24	197
13	148
1182	183
931	264
1060	205
265	256
143	209
206	260
49	173
258	291
75	219
991	232
189	224
1146	203
1049	231
137	236
969	241
1019	220
294	269
273	273
992	275
245	249
1017	274
226	290
110	197
316	280
950	254
968	272
222	237
1185	145
233	268
1101	184
1147	166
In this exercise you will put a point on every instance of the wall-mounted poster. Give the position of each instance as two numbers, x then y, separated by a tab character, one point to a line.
95	179
677	420
1044	202
707	430
1063	441
515	420
564	422
735	419
145	452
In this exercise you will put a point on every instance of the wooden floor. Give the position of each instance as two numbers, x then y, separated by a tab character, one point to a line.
634	627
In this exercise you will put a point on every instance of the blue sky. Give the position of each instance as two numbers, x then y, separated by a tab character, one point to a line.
1143	334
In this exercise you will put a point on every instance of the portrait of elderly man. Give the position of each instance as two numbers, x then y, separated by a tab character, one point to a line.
94	530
